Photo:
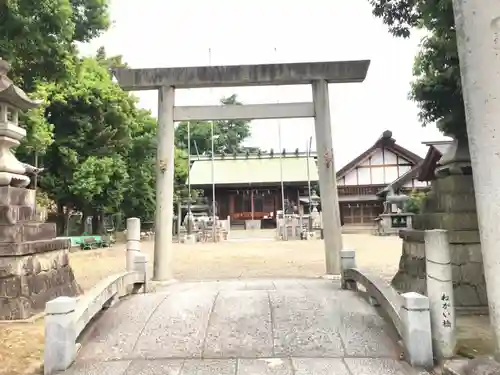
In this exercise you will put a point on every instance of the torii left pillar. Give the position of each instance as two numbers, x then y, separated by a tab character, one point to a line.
162	270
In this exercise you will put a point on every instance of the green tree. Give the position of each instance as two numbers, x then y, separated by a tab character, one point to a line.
139	200
39	131
229	135
38	37
437	85
415	202
93	122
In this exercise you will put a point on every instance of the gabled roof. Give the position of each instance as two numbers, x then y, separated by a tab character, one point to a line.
385	141
403	179
253	170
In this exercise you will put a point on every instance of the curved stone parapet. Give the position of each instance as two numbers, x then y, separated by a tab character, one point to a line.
103	295
381	294
67	317
409	312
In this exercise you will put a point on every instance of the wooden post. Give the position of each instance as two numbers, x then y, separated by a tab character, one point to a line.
252	207
231	204
179	220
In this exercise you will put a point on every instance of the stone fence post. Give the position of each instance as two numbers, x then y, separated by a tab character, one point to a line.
133	241
347	261
60	335
141	266
440	292
417	337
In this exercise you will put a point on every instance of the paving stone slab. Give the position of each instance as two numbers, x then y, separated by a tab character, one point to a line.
156	367
265	366
378	366
240	326
209	367
366	336
287	284
306	324
178	328
319	366
364	332
115	333
98	368
259	284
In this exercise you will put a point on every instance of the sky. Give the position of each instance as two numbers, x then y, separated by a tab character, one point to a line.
176	33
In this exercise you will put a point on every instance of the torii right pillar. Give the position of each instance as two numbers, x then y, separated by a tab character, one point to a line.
478	38
327	177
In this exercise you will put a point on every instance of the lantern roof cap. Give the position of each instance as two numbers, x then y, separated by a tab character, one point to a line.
11	94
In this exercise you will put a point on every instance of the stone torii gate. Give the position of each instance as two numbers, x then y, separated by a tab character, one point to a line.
166	80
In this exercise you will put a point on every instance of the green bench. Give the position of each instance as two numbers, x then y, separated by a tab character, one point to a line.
90	243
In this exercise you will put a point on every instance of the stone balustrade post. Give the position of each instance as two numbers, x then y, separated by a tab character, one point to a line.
347	261
440	292
133	240
60	335
141	266
417	336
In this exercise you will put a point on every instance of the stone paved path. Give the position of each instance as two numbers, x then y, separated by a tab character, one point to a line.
245	327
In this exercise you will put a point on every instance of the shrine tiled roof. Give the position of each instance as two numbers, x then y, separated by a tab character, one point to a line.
253	171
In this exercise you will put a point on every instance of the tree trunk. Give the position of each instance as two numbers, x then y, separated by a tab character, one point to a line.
95	223
101	224
61	219
83	222
67	213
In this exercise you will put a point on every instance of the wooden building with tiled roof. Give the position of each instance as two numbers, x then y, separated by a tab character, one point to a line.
360	183
249	186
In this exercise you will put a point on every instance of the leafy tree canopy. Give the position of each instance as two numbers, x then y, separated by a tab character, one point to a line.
229	135
437	85
93	124
38	37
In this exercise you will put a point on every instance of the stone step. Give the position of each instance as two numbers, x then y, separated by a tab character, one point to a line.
25	232
16	196
34	247
449	202
454	184
454	236
449	221
14	214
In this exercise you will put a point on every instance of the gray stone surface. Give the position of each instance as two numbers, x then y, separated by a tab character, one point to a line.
242	75
450	205
34	264
246	327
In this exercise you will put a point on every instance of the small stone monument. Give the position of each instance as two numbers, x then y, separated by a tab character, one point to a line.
390	222
34	264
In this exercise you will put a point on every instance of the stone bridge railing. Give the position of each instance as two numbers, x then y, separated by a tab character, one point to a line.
408	312
67	317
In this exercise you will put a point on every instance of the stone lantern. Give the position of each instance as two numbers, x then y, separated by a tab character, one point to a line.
12	100
34	264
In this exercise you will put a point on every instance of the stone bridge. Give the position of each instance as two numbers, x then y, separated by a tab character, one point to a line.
284	326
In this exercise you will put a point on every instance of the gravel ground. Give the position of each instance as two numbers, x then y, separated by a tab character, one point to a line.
245	259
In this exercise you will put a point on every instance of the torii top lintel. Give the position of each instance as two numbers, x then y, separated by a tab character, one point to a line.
242	75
